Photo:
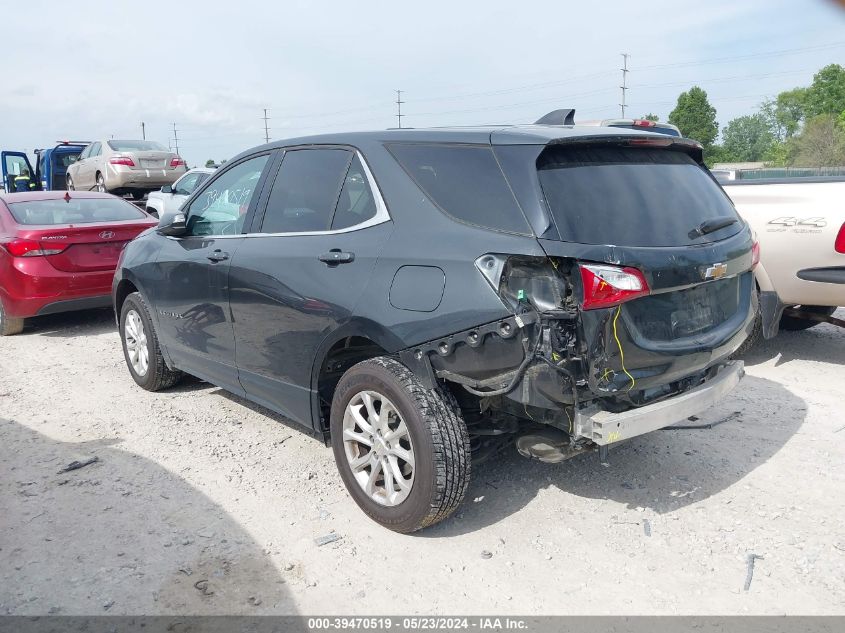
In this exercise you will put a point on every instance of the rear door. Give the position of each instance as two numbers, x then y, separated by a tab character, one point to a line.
15	165
301	272
84	178
191	296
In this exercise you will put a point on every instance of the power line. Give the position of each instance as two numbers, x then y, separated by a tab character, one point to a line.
624	85
266	129
640	69
399	103
176	138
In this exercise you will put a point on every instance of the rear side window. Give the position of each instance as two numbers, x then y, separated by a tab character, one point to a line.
74	211
631	196
464	181
356	203
306	191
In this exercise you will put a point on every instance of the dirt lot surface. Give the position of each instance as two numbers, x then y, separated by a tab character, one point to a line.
202	503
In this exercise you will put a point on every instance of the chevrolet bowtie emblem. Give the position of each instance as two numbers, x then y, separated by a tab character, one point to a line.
716	271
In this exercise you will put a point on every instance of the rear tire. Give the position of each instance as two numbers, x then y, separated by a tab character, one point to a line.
101	183
794	324
141	347
69	183
421	438
9	325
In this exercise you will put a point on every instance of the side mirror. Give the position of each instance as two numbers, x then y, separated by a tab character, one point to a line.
167	189
172	224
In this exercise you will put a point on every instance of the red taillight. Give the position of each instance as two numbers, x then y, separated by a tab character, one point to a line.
644	123
839	244
121	160
29	248
606	286
177	162
755	254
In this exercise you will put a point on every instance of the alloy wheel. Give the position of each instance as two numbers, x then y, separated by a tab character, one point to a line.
378	448
136	343
101	184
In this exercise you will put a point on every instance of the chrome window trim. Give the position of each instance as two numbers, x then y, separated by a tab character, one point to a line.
382	214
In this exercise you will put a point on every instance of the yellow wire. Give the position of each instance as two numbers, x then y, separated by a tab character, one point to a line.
621	353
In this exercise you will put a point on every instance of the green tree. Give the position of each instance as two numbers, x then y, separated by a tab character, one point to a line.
210	163
826	95
747	138
695	117
820	144
786	112
651	117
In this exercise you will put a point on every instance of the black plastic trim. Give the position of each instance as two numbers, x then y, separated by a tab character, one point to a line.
71	305
833	275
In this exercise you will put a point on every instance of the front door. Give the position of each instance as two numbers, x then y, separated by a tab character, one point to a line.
191	293
18	174
301	275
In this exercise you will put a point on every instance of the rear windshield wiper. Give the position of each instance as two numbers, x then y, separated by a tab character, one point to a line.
713	224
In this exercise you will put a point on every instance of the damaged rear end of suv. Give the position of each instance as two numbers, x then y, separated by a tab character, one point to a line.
624	320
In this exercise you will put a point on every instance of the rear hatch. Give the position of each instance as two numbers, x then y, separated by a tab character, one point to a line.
80	235
652	208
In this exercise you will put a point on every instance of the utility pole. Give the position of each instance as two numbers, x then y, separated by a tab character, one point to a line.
399	103
266	129
143	132
176	138
624	85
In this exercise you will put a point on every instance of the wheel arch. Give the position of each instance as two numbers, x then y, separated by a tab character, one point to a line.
355	341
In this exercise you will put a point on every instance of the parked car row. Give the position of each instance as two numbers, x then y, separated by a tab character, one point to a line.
406	295
120	167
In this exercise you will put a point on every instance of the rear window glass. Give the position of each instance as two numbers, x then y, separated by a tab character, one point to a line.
465	182
136	146
631	196
74	211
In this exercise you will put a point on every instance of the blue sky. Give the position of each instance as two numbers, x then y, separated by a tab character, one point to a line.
92	69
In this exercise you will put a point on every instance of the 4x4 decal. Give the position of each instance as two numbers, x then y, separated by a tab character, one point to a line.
796	225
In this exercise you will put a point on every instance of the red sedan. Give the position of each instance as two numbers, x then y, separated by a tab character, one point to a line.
58	251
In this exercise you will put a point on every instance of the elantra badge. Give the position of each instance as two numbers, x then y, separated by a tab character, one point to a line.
716	271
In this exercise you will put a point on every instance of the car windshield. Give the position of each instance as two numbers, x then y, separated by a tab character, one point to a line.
136	146
74	211
631	196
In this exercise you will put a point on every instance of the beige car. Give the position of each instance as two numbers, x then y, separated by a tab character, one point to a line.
800	225
122	167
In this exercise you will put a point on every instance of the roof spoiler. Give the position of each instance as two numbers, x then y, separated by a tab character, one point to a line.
558	117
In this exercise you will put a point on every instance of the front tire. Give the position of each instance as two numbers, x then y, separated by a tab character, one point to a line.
141	347
795	324
9	325
402	450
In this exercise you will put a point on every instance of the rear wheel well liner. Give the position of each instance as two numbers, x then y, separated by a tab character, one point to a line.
343	354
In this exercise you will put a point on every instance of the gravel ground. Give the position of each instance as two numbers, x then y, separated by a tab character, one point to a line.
203	503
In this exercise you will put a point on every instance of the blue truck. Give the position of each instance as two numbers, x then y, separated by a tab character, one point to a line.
50	171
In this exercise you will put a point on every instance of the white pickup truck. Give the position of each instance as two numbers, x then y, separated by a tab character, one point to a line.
800	225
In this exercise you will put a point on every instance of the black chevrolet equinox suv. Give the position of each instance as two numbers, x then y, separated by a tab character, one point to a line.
412	295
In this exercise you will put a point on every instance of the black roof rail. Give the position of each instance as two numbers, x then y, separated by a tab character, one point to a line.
558	117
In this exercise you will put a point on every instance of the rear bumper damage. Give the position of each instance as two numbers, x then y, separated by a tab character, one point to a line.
604	427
